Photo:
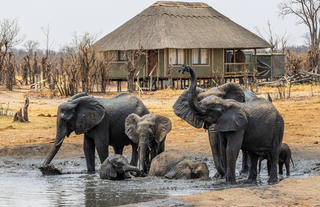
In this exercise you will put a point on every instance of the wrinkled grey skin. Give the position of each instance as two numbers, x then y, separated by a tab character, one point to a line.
173	165
117	167
101	120
149	133
255	126
226	91
284	158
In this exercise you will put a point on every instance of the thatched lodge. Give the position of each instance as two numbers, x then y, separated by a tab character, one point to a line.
169	34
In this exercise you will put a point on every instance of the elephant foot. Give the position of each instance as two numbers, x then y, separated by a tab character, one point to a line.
91	171
231	182
251	181
218	176
244	172
273	180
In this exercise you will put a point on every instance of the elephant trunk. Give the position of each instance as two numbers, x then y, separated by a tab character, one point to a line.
61	133
129	168
192	95
143	157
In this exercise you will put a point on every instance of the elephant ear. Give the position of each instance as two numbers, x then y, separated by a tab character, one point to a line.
131	127
163	127
89	113
183	110
233	119
232	91
77	96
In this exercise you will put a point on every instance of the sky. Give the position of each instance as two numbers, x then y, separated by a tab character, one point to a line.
65	18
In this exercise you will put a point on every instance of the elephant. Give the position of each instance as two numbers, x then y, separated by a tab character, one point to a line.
255	127
149	133
173	165
284	158
117	167
101	120
226	91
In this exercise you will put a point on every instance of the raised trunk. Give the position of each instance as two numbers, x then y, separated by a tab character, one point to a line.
192	95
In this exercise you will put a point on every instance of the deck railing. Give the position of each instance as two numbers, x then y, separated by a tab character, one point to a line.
239	68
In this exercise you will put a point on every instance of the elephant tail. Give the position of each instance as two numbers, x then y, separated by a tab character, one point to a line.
292	162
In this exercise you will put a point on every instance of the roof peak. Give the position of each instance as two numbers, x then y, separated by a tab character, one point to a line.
181	4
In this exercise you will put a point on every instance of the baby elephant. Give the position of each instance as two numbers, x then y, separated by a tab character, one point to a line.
172	165
149	133
284	158
117	167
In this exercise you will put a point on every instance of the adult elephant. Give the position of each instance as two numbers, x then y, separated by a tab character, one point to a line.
101	120
256	127
225	91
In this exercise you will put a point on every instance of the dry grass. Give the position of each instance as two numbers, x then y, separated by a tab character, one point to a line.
301	115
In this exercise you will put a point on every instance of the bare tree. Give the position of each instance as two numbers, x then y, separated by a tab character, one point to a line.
9	31
307	11
134	57
31	46
278	43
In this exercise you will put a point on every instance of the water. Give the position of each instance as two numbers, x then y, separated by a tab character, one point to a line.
22	184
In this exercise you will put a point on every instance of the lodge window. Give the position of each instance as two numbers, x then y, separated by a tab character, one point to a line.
200	56
122	55
176	56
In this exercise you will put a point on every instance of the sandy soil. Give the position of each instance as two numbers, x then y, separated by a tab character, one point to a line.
302	132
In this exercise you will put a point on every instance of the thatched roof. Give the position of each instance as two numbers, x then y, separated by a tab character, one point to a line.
179	25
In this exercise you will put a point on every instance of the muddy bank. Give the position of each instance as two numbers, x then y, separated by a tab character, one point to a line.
19	173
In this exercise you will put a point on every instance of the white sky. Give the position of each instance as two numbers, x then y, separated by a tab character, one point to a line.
65	17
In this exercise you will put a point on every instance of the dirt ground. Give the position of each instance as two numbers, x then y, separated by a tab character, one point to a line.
302	132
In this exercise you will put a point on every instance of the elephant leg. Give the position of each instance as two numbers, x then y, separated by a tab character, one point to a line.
287	164
259	161
161	147
280	168
102	146
134	155
273	167
216	152
245	165
234	142
268	167
89	152
253	168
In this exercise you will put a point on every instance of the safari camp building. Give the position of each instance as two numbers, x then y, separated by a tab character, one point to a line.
174	33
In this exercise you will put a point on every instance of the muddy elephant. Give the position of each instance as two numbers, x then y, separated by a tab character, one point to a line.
101	120
284	158
117	167
149	133
173	165
255	127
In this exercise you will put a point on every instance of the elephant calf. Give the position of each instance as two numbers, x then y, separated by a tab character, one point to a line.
172	165
284	158
149	133
117	167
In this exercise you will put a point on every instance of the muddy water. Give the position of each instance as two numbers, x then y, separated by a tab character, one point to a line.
22	184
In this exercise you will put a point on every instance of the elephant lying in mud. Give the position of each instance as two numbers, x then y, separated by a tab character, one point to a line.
117	167
149	133
284	158
255	127
101	120
173	165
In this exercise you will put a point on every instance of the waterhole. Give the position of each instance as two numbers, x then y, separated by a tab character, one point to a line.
22	184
